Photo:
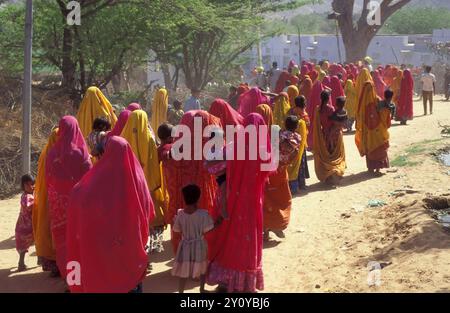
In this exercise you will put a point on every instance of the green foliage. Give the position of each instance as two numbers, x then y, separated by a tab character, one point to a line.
417	21
12	19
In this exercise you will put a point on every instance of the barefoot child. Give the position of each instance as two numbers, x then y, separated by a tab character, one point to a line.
191	260
24	225
339	119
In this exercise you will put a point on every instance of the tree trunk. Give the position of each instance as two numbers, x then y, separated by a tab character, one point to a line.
68	66
356	47
166	72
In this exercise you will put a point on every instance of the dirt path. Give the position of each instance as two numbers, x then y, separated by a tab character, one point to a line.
328	243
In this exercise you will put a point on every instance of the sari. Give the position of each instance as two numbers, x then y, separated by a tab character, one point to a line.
266	112
404	110
93	105
121	121
236	259
303	72
396	86
192	171
361	79
107	229
327	82
249	100
134	106
281	83
311	110
327	163
137	133
380	85
67	161
372	135
314	75
306	87
294	168
228	116
160	104
293	93
41	221
281	109
336	89
351	102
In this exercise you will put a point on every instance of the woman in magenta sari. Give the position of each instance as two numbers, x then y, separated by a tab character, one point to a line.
249	100
380	85
134	106
336	89
281	83
67	162
107	231
120	124
228	116
237	258
404	110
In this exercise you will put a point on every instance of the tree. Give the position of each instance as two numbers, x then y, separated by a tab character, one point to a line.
417	21
357	36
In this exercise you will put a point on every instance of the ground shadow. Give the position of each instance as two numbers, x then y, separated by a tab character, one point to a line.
346	181
164	282
271	244
166	255
9	243
27	281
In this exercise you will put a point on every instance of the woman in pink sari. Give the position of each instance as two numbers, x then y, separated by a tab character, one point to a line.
336	89
249	100
107	231
281	83
228	116
120	124
313	102
380	85
404	110
134	106
237	257
67	161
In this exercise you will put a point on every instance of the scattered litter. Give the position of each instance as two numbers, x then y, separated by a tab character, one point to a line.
399	176
346	215
444	218
401	192
317	286
376	203
392	170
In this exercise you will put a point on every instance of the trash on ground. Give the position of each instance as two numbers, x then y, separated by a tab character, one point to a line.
376	203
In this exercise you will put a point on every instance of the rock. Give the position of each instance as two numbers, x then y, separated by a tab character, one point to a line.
317	286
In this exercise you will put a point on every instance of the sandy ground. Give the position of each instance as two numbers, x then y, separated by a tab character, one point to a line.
328	243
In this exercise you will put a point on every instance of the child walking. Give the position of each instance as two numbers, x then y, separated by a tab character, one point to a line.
191	259
24	225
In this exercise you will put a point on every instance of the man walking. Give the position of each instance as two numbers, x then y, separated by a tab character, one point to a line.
428	89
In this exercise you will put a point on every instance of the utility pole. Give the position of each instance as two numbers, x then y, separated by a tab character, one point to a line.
26	105
259	48
299	46
335	16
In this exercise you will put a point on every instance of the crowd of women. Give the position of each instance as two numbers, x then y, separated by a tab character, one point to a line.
107	187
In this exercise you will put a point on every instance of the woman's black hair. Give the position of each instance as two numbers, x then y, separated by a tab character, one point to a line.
101	124
388	94
340	101
191	194
291	123
26	179
300	102
177	104
325	96
165	131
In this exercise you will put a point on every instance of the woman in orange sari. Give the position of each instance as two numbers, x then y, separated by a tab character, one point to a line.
41	220
192	171
277	196
397	86
306	87
372	135
329	165
293	93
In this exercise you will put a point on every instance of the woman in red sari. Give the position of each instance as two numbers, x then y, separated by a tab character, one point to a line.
281	83
192	171
249	100
228	116
336	89
313	102
306	87
380	85
237	258
404	110
107	231
313	75
67	161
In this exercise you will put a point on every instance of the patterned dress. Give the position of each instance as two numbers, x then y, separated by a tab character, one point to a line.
24	225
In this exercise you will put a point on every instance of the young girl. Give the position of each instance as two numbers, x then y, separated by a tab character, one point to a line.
191	260
95	140
24	225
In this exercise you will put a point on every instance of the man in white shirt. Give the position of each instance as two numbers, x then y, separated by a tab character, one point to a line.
274	74
428	89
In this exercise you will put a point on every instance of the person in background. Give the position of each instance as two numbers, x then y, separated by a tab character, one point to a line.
175	113
193	103
447	84
274	75
387	103
95	140
367	63
24	225
428	89
260	80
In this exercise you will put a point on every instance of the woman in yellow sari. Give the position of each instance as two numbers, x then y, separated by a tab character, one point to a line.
396	86
372	135
362	78
277	196
93	105
351	103
160	105
138	135
293	93
329	165
281	109
41	221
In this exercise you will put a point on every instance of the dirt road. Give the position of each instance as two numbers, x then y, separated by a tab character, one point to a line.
332	236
